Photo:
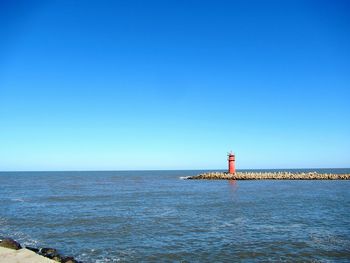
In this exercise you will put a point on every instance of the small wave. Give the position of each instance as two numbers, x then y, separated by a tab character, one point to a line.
17	200
184	177
104	260
3	221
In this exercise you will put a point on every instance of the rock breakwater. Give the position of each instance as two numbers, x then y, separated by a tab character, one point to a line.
49	253
270	176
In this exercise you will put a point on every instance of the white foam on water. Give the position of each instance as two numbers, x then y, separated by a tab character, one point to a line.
3	221
183	177
105	260
17	200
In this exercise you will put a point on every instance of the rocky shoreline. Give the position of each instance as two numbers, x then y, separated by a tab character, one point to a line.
50	253
269	176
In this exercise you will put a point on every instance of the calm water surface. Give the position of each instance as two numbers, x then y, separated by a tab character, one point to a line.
148	216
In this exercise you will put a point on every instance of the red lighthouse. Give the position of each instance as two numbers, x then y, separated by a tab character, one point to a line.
231	163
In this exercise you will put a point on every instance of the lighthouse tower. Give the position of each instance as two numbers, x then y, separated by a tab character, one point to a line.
231	163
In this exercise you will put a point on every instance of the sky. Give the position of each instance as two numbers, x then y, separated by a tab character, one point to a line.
134	85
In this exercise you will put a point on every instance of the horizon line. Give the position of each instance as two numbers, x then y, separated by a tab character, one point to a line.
145	170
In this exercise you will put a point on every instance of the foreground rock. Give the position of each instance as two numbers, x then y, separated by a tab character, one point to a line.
270	176
11	251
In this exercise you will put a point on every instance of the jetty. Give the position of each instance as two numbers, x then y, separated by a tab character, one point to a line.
231	174
269	176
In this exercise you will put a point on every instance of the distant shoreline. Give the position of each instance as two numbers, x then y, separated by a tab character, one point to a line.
283	175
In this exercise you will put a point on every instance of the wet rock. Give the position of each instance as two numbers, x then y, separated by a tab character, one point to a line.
10	243
69	260
57	258
48	252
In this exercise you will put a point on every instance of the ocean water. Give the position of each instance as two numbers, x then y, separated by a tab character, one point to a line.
154	216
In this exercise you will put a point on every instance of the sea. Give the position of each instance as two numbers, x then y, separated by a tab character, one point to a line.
157	216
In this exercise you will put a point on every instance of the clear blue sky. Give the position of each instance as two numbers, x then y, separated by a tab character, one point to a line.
174	84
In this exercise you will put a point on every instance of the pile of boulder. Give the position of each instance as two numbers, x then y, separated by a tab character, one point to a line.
286	175
50	253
